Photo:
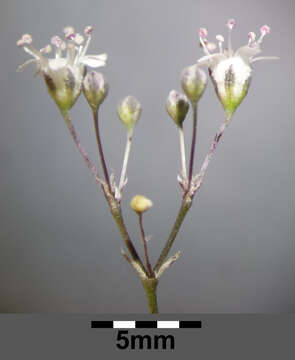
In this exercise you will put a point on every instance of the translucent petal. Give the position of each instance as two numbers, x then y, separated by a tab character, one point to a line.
94	60
208	60
247	52
259	58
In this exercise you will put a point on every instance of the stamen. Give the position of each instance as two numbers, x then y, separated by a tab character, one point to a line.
71	53
59	44
68	30
25	39
220	40
79	39
87	41
202	34
211	46
252	38
264	30
21	67
88	30
71	36
46	50
231	24
56	41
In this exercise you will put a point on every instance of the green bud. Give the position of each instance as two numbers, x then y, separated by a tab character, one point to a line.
129	111
140	204
177	107
95	89
193	82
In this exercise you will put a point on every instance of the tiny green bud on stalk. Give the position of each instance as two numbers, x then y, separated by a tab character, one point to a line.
193	82
177	107
140	204
129	111
95	89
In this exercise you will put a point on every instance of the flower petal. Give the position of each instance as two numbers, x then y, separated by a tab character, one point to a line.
209	60
94	60
247	52
259	58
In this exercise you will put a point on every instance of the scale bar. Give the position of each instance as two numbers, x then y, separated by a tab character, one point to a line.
146	324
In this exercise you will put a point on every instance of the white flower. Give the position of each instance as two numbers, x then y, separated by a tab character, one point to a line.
63	75
231	71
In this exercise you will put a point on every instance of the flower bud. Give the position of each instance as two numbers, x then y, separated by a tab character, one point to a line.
95	89
177	107
63	84
129	111
140	204
193	82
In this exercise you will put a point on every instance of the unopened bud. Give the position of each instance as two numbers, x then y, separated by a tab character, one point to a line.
177	107
95	89
129	111
140	204
193	82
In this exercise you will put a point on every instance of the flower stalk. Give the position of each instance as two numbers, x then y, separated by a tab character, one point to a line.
182	152
123	178
100	149
193	144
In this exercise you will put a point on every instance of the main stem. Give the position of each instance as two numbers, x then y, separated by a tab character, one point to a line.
193	145
150	288
100	150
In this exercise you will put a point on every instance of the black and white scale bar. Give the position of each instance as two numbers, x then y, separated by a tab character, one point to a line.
146	324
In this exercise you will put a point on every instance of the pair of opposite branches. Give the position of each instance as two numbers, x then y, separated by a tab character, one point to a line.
190	184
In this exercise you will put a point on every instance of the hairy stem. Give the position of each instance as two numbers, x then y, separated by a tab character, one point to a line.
211	152
80	147
116	212
185	206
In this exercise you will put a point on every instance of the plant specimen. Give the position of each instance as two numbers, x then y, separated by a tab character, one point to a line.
66	78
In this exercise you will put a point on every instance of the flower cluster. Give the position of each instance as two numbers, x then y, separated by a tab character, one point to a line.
64	73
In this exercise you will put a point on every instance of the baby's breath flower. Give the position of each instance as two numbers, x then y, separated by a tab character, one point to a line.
231	71
63	75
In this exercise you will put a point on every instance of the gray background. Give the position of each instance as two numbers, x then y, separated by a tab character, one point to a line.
60	250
